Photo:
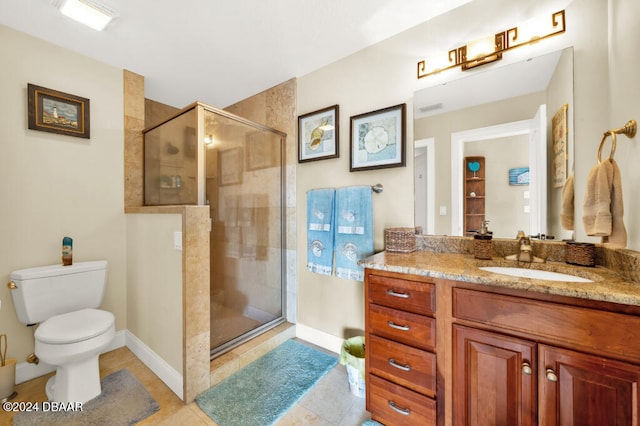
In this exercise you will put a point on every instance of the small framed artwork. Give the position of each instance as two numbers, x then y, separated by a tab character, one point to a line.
378	139
262	150
230	167
318	135
519	176
57	112
559	133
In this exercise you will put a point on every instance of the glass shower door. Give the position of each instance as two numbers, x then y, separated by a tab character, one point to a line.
244	189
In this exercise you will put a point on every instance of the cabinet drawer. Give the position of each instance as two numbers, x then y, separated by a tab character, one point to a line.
394	405
605	333
411	329
402	364
411	296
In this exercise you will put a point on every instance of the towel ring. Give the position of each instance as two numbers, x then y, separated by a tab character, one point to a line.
628	129
613	145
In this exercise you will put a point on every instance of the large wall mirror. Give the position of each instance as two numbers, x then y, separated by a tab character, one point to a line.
494	129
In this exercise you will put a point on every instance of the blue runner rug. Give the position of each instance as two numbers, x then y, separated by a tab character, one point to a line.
261	392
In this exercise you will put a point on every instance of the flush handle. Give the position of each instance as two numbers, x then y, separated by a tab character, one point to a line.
11	285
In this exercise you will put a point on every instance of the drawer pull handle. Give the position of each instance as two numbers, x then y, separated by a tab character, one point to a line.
399	366
551	375
403	411
398	327
526	369
396	294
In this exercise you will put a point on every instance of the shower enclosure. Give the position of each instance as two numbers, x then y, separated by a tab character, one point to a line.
204	155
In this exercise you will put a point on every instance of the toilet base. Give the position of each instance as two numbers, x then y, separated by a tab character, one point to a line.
78	383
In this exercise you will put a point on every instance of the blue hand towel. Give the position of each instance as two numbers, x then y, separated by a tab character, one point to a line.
320	232
354	230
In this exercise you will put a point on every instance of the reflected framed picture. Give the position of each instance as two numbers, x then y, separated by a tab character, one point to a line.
560	153
318	135
378	139
230	166
57	112
262	150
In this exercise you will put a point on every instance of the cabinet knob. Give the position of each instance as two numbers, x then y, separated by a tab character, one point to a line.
526	368
398	409
551	375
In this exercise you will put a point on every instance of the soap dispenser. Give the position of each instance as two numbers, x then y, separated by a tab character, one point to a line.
482	244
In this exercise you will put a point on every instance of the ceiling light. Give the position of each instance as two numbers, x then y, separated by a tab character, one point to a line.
91	13
489	49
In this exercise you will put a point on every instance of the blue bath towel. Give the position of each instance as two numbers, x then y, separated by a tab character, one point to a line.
354	230
320	232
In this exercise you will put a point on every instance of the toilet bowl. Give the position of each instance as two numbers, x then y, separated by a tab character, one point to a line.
72	331
72	342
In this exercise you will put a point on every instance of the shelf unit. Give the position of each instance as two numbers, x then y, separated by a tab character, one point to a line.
474	194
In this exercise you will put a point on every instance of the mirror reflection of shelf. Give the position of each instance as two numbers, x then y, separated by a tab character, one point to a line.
474	188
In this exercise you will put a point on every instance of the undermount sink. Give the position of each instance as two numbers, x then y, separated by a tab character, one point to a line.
535	274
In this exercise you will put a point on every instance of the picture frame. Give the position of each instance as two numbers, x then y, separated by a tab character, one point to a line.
57	112
519	176
230	166
560	153
378	139
318	135
262	150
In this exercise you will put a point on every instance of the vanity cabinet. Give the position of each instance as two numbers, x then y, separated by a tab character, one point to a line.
401	372
519	361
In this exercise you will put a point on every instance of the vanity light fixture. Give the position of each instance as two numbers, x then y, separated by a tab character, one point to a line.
91	13
490	49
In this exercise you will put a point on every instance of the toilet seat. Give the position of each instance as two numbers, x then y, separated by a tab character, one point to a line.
74	326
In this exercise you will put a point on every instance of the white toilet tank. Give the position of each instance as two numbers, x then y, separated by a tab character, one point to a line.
45	291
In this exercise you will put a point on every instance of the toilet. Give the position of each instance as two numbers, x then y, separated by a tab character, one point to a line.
72	332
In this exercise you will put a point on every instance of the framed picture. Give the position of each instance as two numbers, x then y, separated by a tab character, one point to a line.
519	176
378	139
318	135
262	150
560	155
57	112
230	167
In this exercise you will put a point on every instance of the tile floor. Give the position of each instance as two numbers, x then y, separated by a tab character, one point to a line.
330	402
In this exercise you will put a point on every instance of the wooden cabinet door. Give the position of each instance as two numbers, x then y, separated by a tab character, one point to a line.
494	379
581	389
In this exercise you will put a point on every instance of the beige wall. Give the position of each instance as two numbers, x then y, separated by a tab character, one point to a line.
624	84
385	74
55	185
155	316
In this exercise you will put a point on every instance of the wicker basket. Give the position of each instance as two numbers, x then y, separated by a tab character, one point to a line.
583	254
482	247
401	240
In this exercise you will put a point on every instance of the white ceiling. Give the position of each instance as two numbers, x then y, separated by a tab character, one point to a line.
222	51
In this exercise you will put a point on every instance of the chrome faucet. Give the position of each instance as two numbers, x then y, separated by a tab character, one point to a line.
525	250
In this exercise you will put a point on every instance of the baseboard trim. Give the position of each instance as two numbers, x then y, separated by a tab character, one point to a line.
320	338
159	366
26	371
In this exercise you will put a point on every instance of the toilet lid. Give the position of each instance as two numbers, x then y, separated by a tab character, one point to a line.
74	326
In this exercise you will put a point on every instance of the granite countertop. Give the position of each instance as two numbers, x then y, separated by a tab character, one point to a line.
607	285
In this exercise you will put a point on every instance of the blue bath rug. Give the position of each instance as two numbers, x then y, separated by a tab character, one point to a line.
371	423
124	401
261	392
